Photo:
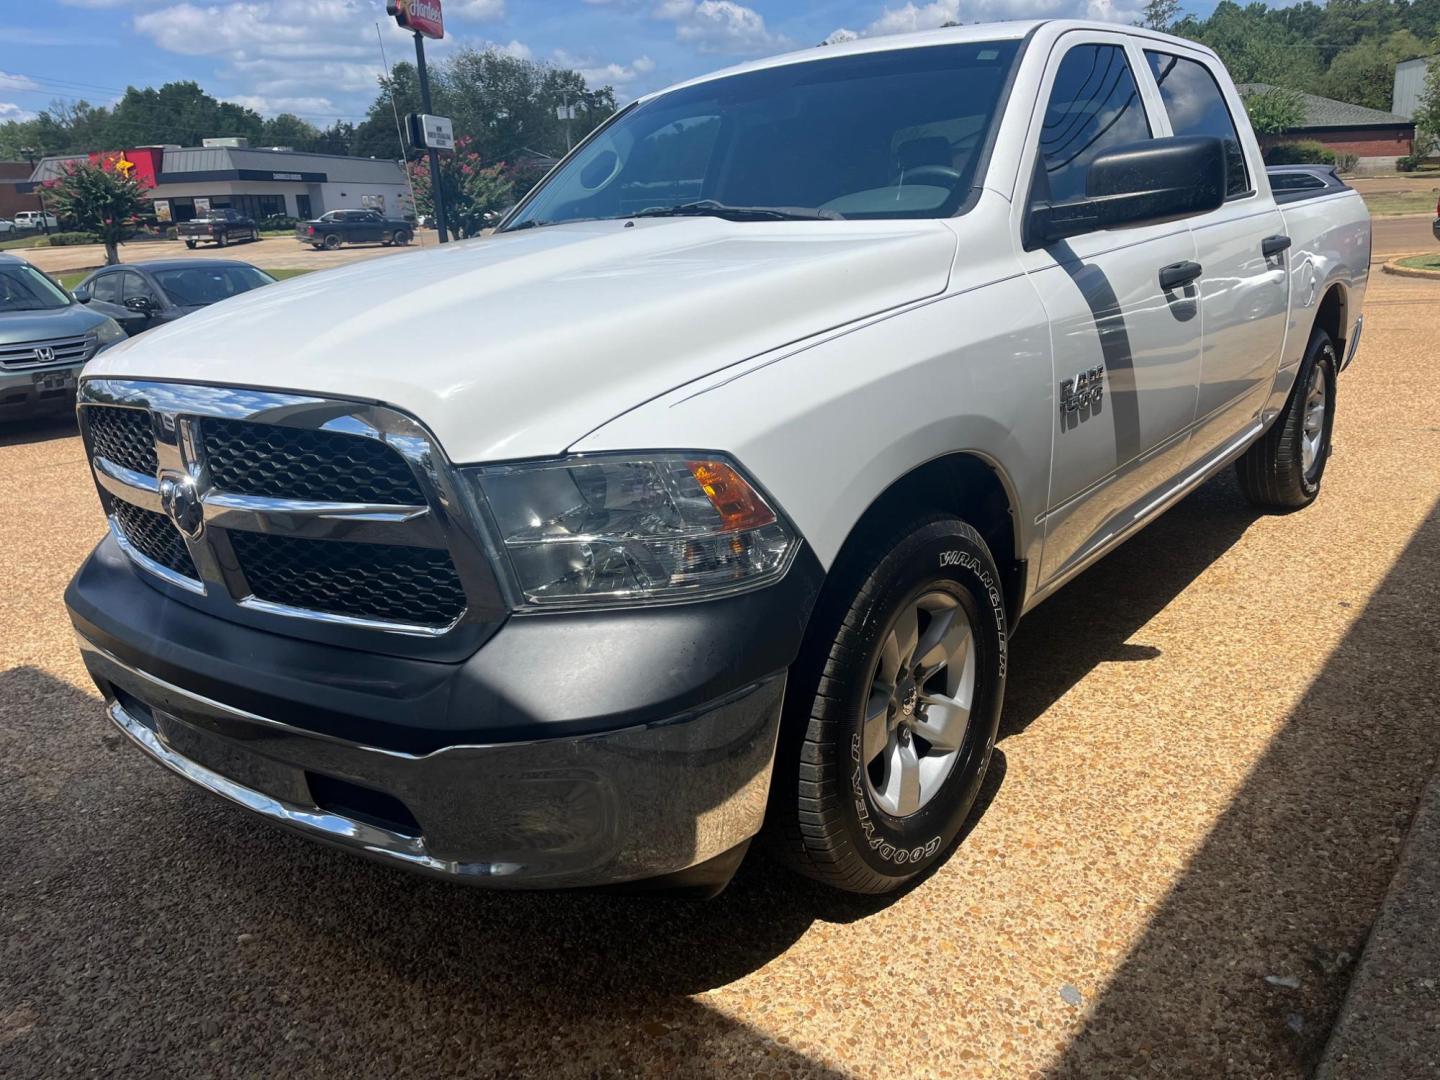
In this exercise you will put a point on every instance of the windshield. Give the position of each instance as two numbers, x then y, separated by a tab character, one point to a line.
23	288
891	134
196	286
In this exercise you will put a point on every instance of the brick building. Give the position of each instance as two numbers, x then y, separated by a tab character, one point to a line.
12	199
1377	138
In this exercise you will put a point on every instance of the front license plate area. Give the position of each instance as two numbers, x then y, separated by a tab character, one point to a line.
49	381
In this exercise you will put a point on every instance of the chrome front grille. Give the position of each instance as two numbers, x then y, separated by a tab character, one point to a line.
123	437
56	352
291	463
336	518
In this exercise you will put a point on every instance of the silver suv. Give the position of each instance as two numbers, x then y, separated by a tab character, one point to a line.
45	339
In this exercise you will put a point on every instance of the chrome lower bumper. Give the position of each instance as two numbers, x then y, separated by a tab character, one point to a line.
601	809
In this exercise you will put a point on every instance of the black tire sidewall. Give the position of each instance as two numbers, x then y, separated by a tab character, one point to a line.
332	242
1322	354
945	555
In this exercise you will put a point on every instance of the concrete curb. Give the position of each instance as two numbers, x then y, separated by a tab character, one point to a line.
1394	267
1389	1025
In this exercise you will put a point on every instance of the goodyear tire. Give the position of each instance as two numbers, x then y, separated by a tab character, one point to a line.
892	708
1283	470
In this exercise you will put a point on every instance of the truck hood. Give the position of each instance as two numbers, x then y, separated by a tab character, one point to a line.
520	344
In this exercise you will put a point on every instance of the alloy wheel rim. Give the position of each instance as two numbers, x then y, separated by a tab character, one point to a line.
917	713
1313	431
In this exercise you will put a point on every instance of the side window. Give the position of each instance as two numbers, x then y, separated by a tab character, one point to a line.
106	288
134	286
1094	106
1196	107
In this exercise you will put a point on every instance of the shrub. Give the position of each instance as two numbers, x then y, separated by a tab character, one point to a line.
278	222
70	239
1346	163
1408	163
1304	152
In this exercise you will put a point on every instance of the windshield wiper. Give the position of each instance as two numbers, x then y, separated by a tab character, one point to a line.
711	208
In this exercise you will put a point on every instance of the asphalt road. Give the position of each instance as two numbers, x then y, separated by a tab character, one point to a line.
1212	746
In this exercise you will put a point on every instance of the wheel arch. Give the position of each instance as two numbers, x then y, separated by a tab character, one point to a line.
1332	315
973	486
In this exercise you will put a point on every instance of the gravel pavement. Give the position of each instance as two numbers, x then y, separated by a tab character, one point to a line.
1212	746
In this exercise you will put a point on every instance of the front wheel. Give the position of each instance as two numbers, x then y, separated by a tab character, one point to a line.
892	709
1283	470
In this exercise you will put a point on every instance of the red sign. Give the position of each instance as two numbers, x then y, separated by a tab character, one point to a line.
142	166
422	16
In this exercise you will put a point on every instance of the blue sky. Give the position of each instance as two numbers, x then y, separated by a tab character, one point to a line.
319	58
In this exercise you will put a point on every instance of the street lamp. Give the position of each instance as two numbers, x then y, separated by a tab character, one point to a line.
30	152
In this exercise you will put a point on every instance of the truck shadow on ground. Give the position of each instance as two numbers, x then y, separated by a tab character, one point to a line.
153	923
1295	869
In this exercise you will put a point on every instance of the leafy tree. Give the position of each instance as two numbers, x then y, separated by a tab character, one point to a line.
287	129
1275	111
472	189
1159	14
98	199
1427	114
1364	74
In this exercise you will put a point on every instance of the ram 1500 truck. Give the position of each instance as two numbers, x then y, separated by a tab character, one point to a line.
707	493
220	227
353	227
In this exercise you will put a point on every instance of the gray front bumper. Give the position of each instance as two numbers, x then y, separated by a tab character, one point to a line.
613	807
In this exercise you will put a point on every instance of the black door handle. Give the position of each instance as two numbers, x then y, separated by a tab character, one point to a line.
1178	274
1274	245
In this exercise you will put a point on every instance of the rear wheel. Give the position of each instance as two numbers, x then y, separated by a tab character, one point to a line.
892	709
191	244
221	240
332	242
1283	470
402	236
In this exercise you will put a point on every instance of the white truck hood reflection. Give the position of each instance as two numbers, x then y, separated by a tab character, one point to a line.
521	344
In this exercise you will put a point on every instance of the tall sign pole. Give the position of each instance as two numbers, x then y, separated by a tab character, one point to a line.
436	189
426	19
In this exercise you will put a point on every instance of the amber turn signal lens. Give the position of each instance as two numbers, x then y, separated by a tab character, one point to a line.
735	500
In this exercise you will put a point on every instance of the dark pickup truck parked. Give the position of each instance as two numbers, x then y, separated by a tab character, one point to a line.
220	226
353	227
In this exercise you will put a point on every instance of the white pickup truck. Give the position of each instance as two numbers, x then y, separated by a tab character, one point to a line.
707	493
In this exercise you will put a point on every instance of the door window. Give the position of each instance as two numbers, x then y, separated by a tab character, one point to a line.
135	285
1094	106
1196	107
106	288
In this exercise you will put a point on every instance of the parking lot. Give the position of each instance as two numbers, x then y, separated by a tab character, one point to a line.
1212	745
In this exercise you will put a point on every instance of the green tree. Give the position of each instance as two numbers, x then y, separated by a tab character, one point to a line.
96	198
1364	74
1275	111
474	191
1427	115
1159	14
287	129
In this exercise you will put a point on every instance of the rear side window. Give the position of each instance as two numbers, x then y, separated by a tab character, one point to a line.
1196	107
1094	106
106	288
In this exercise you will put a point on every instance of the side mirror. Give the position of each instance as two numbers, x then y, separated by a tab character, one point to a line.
141	305
81	293
1155	180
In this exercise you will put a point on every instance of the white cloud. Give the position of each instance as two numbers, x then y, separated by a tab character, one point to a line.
720	26
484	10
10	111
267	105
17	82
598	74
911	16
518	49
840	36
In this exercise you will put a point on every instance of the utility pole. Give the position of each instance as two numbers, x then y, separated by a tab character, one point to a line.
436	192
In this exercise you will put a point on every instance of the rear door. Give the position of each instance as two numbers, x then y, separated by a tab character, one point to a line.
1127	350
1244	291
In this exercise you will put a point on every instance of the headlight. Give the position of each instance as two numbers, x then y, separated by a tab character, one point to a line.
587	531
107	333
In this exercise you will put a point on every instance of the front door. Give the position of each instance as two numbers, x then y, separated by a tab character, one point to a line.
1126	350
1244	292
